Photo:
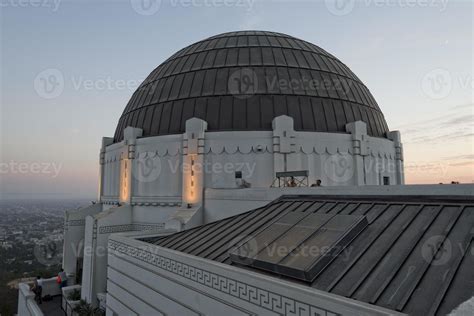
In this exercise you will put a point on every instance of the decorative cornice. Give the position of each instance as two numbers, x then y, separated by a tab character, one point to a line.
161	203
352	147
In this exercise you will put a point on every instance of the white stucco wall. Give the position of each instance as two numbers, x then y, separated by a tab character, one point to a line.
74	228
97	231
149	280
111	181
338	159
165	153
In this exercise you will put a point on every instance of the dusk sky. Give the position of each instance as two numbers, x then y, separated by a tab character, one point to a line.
416	57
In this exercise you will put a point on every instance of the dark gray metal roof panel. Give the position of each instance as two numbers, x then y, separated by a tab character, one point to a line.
415	255
460	288
204	69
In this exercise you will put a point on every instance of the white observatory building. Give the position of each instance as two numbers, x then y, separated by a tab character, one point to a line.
246	140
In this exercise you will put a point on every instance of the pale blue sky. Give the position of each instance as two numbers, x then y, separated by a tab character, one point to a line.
393	48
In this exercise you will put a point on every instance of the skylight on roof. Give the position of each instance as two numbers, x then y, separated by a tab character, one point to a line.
299	245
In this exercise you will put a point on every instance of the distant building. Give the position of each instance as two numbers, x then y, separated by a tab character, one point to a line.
6	245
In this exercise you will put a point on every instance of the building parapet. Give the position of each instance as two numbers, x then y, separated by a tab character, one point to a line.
227	286
26	301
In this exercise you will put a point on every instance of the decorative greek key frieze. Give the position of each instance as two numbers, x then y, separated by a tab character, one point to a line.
142	227
115	228
260	297
129	227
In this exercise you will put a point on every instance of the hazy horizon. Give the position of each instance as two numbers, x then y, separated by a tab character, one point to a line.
416	60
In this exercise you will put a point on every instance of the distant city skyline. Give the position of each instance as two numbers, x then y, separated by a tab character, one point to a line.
70	67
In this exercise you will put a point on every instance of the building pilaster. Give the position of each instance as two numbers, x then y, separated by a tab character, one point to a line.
193	161
284	140
358	131
395	136
126	164
106	141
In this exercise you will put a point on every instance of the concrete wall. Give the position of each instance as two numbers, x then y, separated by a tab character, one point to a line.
26	302
337	159
98	229
111	170
152	214
156	167
148	280
74	228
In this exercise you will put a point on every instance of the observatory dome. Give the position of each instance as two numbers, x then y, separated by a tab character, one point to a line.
241	81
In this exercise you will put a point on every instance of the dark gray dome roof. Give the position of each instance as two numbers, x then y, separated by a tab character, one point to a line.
279	74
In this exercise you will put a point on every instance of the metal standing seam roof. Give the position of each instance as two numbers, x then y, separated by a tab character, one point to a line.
415	256
194	82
